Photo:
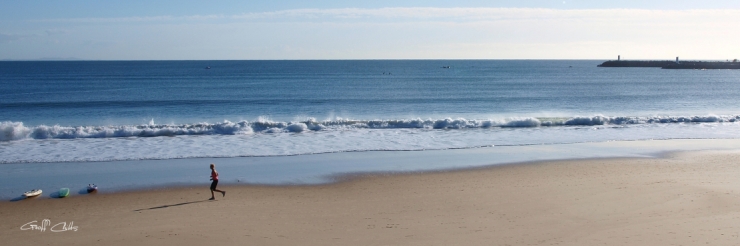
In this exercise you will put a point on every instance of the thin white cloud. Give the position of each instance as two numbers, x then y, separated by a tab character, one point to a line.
135	19
395	33
439	14
56	31
488	14
7	38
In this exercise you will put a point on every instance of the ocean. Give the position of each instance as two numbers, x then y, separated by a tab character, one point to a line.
121	114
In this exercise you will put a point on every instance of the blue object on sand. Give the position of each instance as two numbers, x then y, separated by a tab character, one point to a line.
92	188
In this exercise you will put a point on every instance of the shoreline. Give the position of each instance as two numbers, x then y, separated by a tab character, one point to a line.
680	197
123	176
341	178
337	179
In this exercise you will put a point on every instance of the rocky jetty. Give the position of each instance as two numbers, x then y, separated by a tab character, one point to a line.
667	64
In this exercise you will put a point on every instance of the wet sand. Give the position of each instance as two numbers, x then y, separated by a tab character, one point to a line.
688	198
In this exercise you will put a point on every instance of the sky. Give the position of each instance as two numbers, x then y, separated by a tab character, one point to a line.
380	29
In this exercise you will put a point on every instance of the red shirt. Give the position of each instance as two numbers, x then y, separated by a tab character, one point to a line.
214	174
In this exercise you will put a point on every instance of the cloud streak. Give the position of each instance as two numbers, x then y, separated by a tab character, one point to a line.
163	18
8	38
424	33
477	14
436	14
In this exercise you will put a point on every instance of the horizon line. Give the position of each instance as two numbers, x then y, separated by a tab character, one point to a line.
361	59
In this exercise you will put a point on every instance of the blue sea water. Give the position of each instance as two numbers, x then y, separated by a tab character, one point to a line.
77	111
293	121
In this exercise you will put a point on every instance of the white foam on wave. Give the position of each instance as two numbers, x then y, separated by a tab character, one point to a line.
282	142
13	131
297	127
17	130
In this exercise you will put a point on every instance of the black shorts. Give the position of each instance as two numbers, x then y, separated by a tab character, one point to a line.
213	184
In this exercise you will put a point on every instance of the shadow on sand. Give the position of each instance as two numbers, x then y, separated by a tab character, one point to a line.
171	205
84	191
22	197
55	195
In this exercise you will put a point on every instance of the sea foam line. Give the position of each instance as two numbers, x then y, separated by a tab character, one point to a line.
10	131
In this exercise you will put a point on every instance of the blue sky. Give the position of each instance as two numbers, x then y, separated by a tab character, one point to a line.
195	30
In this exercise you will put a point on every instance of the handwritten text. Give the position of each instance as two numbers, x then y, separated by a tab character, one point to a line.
46	223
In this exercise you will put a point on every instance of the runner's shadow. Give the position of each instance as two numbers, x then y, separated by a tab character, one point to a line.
171	205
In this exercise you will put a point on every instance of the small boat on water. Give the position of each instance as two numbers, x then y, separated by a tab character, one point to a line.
32	193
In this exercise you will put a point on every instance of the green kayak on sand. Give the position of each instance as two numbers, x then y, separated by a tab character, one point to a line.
63	192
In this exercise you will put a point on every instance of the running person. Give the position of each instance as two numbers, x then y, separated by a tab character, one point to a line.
214	178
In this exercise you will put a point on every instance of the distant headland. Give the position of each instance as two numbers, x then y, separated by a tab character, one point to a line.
668	64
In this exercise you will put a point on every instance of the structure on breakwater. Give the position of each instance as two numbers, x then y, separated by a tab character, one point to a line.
677	64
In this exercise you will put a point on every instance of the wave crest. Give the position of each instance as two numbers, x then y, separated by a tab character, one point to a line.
10	131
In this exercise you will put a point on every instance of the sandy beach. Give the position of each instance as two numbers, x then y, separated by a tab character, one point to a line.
681	199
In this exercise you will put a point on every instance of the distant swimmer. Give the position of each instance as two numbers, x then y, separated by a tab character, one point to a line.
214	178
208	67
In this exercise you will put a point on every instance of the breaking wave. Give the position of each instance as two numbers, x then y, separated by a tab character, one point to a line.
10	131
